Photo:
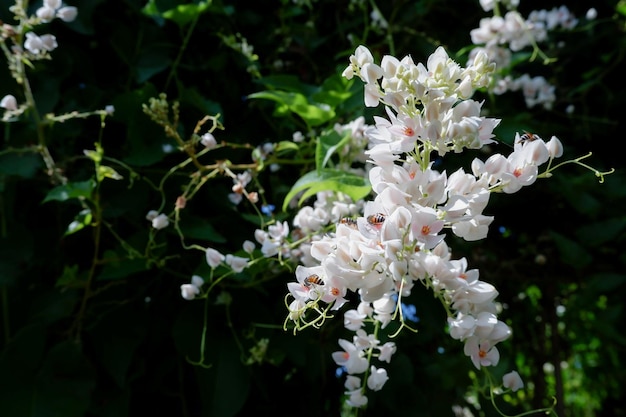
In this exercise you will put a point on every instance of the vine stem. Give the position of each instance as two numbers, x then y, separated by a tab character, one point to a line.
92	270
181	51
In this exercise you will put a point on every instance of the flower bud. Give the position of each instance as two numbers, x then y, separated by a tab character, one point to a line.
151	215
189	291
248	246
555	147
197	281
8	102
213	257
49	42
208	140
46	14
67	14
512	381
52	4
160	222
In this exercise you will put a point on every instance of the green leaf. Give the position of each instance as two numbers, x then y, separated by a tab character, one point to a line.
81	220
605	282
192	96
287	82
314	114
599	233
19	362
571	252
198	228
23	165
16	249
118	266
185	13
69	276
152	60
285	146
355	186
334	90
54	305
82	189
181	14
227	383
107	172
96	155
64	385
327	144
115	338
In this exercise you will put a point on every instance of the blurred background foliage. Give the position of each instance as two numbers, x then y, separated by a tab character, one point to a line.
93	323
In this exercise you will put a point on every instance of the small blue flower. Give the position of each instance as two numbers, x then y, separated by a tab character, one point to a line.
504	231
340	371
409	312
268	209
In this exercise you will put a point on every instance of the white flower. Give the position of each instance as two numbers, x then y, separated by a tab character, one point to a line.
189	291
352	383
487	5
351	357
45	13
297	136
512	381
208	140
197	280
160	222
353	320
8	102
386	351
555	147
237	263
296	308
49	42
248	246
591	14
214	257
67	13
33	43
462	326
482	353
377	378
52	4
356	398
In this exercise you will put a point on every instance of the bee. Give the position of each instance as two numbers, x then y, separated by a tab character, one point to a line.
527	137
313	279
376	219
348	221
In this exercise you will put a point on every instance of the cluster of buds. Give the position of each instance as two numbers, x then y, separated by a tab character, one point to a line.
399	240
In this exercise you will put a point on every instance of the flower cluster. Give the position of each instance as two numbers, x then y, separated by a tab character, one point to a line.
56	9
501	36
158	220
21	45
399	240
